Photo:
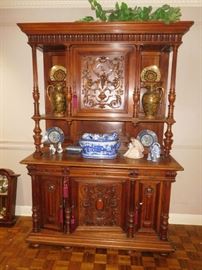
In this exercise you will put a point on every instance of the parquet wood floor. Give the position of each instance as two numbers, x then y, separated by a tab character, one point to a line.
16	254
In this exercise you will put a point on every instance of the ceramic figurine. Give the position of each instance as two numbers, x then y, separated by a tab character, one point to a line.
52	149
135	149
59	148
155	152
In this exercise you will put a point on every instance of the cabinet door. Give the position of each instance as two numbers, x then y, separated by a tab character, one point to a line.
99	202
148	206
103	80
51	204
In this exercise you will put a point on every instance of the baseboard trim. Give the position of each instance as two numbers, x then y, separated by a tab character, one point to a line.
184	219
23	210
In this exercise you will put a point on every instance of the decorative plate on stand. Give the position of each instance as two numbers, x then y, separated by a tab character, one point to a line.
150	74
58	73
54	135
147	137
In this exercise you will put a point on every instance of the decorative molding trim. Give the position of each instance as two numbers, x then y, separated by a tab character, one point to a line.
29	145
184	219
146	37
85	4
187	147
16	145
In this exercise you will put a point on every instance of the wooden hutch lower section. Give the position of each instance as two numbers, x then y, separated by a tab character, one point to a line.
97	204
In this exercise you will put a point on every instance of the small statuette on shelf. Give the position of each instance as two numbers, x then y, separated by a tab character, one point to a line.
135	149
155	152
59	148
52	149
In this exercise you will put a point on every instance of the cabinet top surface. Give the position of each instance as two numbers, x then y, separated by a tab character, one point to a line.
120	162
104	27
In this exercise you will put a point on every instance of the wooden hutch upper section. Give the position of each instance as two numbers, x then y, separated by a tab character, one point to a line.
122	50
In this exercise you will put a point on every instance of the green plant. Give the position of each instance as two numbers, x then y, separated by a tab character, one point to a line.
122	12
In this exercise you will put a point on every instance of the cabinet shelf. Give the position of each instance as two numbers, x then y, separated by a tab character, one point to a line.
104	119
149	120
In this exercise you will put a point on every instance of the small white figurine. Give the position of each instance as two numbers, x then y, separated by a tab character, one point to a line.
52	149
155	152
135	149
59	148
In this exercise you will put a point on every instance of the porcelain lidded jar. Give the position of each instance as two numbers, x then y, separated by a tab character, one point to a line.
99	146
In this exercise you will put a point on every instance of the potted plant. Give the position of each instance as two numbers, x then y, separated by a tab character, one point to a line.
122	12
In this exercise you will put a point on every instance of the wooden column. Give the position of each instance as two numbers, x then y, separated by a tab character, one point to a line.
35	199
66	203
68	83
36	96
136	95
132	211
170	175
171	99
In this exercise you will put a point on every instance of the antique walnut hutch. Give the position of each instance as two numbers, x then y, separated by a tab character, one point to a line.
121	203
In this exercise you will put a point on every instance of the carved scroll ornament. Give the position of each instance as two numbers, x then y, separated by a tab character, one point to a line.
102	82
100	205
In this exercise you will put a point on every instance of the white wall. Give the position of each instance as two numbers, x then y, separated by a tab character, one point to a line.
16	107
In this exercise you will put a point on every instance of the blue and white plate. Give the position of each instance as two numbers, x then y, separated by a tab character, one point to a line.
147	137
54	135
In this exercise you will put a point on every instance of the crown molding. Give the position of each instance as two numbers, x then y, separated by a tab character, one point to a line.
85	3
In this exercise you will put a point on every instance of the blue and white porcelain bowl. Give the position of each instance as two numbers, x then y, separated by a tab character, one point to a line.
99	146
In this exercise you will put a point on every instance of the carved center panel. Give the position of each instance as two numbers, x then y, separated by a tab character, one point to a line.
100	204
102	80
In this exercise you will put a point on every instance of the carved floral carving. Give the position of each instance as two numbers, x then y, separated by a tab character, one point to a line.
102	82
100	204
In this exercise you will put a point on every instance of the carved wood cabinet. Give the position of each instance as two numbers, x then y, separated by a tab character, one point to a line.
121	203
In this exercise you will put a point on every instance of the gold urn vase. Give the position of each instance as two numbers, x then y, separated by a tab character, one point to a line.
151	100
57	97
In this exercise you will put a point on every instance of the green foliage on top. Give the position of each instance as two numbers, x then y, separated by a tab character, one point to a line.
122	12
